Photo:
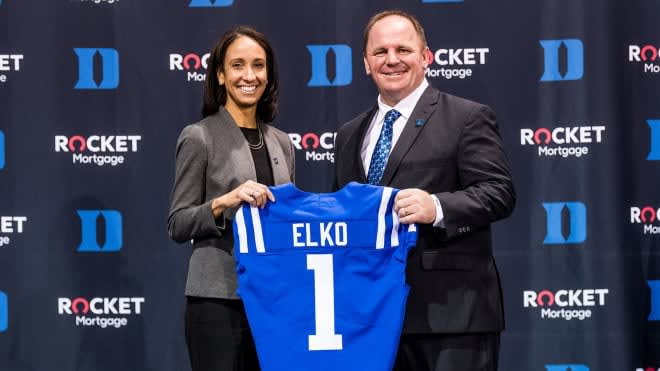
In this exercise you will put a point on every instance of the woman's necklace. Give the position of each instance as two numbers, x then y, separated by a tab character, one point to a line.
259	144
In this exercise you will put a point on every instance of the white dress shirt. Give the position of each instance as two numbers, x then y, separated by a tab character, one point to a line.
405	107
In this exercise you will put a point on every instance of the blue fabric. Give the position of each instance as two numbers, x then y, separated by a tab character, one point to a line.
368	290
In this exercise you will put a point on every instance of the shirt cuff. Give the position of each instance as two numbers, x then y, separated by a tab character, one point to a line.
439	215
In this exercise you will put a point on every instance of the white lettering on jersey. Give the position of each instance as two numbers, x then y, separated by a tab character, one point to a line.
329	236
325	337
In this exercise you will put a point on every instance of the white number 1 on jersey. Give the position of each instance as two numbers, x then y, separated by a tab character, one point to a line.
324	304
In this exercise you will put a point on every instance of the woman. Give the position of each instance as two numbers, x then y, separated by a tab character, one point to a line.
227	158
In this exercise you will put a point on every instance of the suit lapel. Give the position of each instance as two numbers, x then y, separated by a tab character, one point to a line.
244	168
277	159
362	132
425	106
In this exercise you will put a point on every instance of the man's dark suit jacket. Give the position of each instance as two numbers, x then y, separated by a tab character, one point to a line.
450	147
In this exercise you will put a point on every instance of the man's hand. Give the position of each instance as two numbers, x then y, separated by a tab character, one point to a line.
415	206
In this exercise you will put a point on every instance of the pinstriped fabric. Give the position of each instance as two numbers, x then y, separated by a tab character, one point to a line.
382	213
395	228
242	234
258	233
243	244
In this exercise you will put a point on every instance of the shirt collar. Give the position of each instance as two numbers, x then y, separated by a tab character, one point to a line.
407	104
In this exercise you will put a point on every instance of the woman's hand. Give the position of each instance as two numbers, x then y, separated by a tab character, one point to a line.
256	194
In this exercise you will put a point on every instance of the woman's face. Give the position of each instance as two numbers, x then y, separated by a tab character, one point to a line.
244	73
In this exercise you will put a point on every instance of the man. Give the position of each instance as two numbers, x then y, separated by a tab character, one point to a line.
446	155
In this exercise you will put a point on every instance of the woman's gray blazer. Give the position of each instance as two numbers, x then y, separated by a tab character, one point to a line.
213	158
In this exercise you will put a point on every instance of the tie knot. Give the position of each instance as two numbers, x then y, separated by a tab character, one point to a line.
391	116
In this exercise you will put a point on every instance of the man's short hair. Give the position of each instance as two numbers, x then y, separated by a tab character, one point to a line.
386	13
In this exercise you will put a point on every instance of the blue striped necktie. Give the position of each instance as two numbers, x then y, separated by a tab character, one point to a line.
382	149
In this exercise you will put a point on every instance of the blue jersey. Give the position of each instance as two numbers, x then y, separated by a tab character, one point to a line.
322	277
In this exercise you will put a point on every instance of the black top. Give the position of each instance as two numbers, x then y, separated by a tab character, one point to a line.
259	155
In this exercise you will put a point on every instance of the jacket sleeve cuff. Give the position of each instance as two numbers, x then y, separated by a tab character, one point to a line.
439	215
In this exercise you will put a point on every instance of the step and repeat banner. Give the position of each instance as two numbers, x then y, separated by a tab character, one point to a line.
94	93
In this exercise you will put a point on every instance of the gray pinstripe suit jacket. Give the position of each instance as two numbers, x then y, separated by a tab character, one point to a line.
212	158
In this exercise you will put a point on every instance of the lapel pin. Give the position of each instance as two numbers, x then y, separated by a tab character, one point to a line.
419	122
276	161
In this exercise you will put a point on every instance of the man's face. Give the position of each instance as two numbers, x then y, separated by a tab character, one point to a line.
395	58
